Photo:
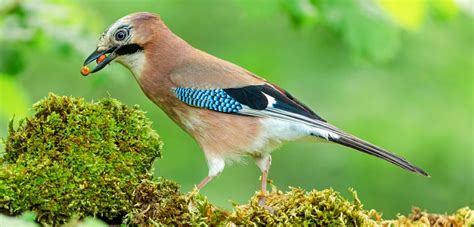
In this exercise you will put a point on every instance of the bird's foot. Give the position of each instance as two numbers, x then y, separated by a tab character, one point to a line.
261	203
261	200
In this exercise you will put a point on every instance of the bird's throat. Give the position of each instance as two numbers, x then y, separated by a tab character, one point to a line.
134	62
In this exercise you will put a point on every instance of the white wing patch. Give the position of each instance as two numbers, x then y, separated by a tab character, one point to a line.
271	100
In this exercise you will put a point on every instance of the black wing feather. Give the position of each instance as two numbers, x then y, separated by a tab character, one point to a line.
250	96
254	97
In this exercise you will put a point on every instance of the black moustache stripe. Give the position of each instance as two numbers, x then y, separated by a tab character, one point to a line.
128	49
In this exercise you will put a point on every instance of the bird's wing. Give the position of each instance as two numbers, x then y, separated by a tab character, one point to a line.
268	100
255	100
264	99
209	82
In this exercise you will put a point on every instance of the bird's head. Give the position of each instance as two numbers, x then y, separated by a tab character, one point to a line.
125	41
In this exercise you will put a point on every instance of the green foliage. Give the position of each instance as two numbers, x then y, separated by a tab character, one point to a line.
27	27
370	35
362	25
302	12
371	29
75	159
46	24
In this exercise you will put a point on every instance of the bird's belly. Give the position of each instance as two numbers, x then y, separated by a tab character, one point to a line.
231	136
220	134
274	132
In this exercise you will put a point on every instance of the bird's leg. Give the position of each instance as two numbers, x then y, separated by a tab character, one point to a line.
263	162
264	181
216	165
262	200
204	182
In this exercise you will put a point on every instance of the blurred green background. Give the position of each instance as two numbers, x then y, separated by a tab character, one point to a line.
397	73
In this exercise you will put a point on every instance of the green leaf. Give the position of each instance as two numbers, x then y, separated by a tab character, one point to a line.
303	13
363	27
11	60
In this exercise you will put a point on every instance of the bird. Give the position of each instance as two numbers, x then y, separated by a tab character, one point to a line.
229	111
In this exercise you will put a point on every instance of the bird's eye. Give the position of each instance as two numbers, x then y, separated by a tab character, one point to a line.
121	34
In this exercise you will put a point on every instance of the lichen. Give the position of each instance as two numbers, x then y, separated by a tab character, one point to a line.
75	159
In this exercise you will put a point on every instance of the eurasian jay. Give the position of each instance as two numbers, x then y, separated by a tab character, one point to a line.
229	111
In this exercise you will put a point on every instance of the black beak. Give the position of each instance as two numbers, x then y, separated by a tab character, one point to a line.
96	54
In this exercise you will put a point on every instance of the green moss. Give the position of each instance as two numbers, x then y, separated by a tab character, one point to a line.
161	203
76	158
462	217
321	208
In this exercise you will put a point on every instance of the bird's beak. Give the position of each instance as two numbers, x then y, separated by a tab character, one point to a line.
110	56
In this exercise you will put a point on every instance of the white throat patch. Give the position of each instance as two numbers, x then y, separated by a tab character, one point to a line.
134	62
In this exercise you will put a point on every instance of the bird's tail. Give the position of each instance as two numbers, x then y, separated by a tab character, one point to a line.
348	140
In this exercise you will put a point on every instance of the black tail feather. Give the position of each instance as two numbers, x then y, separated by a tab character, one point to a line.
371	149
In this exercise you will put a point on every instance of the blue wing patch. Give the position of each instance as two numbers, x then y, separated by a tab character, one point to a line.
213	99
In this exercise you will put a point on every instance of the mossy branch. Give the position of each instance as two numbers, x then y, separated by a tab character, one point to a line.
74	159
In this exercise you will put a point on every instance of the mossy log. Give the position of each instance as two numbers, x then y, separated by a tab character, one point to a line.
73	160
